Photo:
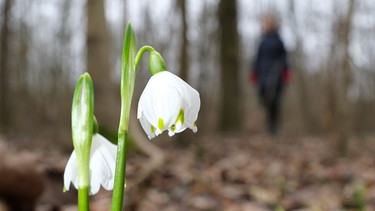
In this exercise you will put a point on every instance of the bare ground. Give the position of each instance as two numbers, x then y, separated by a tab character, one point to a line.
242	172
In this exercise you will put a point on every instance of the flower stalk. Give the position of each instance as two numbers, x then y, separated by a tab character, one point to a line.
156	62
127	88
83	199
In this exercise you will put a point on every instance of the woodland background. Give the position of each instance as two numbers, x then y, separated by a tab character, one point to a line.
328	110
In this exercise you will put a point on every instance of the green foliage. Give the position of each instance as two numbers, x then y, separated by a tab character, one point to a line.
279	208
128	74
358	197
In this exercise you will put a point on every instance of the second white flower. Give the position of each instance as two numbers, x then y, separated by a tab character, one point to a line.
168	103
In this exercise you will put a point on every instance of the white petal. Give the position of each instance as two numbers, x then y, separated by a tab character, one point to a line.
194	128
158	132
70	173
171	132
94	181
102	165
191	104
163	104
179	127
190	99
108	153
146	126
160	100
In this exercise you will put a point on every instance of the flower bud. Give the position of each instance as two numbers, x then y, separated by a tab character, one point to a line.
82	125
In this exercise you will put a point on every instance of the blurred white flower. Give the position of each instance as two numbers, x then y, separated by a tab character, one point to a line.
168	103
102	165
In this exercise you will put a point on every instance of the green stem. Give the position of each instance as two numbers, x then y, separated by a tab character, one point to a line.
120	172
83	179
83	199
140	54
118	189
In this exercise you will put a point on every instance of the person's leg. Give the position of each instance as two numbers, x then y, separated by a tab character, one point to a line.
265	102
262	96
273	115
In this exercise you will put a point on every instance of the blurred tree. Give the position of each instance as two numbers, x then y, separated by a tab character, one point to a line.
183	139
343	36
207	53
339	78
231	109
184	67
98	43
4	68
297	57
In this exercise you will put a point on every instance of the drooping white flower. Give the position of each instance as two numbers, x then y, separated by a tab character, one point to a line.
102	166
168	103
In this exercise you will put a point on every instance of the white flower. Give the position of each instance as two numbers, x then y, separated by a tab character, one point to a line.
168	103
102	165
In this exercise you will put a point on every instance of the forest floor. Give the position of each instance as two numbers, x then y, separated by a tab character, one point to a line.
238	173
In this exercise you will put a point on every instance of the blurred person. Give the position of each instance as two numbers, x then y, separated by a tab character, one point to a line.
270	71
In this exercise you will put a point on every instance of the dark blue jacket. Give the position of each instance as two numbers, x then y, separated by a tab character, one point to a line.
270	62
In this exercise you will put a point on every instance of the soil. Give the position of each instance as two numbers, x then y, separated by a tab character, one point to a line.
242	172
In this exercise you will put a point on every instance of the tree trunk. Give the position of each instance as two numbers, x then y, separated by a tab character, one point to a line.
184	42
231	111
106	96
339	79
4	71
344	109
298	68
184	138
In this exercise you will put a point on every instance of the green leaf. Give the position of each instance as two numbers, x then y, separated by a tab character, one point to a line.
128	74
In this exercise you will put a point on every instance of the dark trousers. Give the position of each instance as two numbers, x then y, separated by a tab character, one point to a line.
270	99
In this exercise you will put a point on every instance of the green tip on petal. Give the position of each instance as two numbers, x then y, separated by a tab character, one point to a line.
64	189
181	116
152	129
161	124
